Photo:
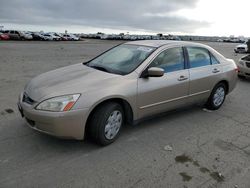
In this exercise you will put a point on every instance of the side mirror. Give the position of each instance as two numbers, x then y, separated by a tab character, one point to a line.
153	72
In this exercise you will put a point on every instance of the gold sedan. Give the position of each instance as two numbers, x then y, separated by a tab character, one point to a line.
124	85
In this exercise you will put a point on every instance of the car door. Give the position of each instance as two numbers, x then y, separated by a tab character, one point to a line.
204	73
12	35
19	35
15	35
158	94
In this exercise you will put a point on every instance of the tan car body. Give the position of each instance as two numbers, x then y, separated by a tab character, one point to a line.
140	97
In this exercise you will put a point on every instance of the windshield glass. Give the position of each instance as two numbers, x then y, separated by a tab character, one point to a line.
122	59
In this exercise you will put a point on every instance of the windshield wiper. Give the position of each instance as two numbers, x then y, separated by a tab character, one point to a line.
101	68
98	67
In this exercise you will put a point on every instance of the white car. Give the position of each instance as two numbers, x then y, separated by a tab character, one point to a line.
71	37
244	66
26	35
58	36
50	36
47	36
74	37
242	48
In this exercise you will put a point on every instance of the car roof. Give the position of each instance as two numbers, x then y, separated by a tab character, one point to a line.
159	43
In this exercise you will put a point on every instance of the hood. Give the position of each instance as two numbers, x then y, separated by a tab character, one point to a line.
67	80
242	45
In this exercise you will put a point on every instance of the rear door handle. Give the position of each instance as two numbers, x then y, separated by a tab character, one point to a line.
216	70
182	78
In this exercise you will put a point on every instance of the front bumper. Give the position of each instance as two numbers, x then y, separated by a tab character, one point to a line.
69	125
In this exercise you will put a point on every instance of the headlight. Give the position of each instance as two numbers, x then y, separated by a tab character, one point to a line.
58	104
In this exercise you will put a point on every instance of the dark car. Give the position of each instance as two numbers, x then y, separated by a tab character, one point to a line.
38	36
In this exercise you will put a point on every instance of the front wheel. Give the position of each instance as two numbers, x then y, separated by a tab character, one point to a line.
106	123
217	97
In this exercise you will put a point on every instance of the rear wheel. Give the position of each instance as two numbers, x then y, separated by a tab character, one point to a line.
106	123
217	97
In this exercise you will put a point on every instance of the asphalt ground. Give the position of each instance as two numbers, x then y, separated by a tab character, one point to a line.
190	147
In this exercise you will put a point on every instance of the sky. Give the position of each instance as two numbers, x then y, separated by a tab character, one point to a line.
178	17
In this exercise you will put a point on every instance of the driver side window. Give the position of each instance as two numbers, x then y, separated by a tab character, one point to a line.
170	60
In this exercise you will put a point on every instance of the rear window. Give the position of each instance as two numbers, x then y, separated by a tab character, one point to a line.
214	61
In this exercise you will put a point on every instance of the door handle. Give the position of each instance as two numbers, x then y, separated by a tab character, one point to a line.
182	78
216	70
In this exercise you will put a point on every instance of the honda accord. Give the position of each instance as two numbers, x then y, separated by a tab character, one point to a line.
125	84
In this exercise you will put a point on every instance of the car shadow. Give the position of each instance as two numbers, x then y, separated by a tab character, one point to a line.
244	79
161	118
63	145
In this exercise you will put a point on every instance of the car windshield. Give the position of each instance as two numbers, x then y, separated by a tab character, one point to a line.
122	59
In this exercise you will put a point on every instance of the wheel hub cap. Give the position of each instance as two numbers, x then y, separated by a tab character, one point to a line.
219	96
113	124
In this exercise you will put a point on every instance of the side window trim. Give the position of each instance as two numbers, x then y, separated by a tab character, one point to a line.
211	62
187	63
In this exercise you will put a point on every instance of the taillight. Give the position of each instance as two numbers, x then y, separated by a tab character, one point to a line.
236	69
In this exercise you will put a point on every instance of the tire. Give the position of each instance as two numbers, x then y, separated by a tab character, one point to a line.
101	131
218	92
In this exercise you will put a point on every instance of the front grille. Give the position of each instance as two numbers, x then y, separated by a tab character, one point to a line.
27	99
248	64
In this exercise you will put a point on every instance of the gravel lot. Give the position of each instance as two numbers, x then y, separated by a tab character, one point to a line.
191	147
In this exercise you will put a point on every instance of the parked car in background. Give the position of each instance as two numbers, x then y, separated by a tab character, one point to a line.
4	36
26	35
105	37
71	37
244	66
242	48
51	37
38	36
125	84
14	34
59	35
55	36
